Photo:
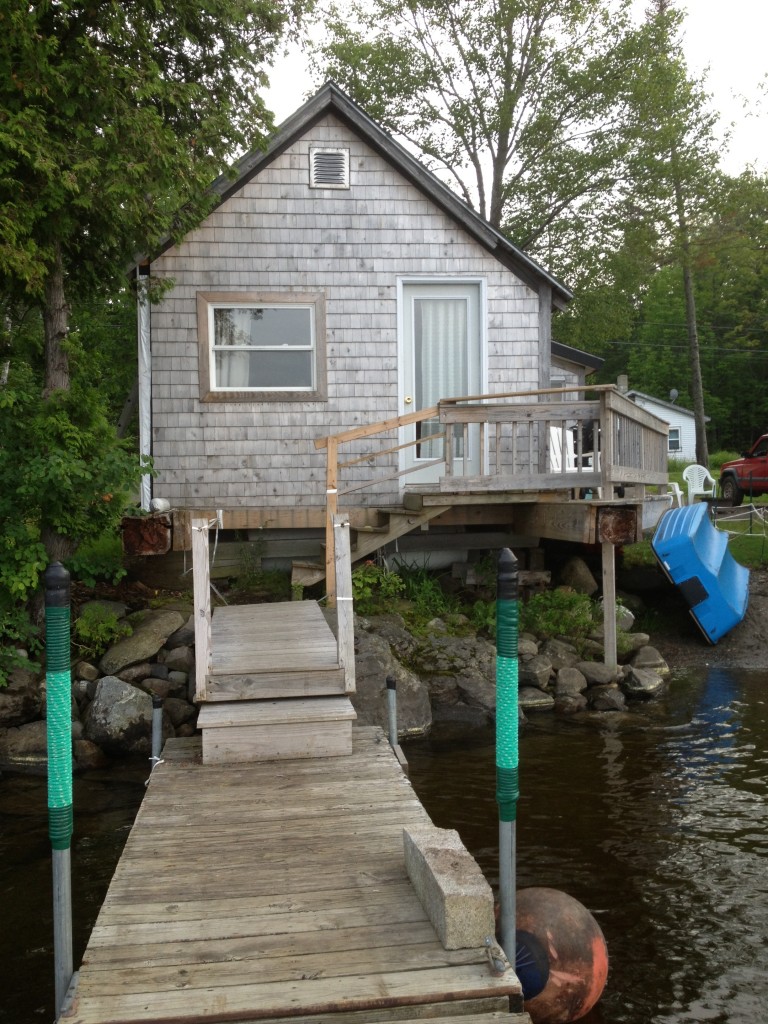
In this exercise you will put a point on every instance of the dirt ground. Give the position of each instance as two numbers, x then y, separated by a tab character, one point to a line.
745	647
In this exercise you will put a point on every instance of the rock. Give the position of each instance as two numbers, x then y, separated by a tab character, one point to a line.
180	678
116	608
649	658
22	699
560	654
453	656
642	682
570	704
576	574
158	687
596	673
526	648
437	626
532	699
85	670
87	755
136	673
478	692
535	672
158	671
606	698
443	691
25	746
180	659
570	683
373	663
183	637
150	632
179	711
119	719
625	618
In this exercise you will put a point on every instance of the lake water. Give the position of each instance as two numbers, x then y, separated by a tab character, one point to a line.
655	821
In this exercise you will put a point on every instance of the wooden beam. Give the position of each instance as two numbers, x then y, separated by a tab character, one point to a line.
202	594
345	626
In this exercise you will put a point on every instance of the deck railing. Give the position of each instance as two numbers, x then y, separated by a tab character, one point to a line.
534	441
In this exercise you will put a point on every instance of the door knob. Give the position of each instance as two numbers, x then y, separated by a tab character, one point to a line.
407	399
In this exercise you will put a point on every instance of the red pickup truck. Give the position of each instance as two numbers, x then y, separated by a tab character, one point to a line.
747	475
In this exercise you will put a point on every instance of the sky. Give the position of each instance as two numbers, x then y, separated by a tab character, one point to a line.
725	38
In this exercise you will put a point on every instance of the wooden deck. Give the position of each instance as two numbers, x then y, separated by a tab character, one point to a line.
257	892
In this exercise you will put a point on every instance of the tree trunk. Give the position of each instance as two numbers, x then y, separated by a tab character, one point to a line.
56	326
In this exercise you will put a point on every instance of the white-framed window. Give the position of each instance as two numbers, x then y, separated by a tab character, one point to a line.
269	346
674	439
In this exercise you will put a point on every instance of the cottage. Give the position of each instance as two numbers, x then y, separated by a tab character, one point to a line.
340	295
681	430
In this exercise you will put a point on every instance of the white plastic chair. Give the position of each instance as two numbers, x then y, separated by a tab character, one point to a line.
699	482
675	495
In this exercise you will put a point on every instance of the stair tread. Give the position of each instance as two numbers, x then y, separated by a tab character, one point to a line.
225	714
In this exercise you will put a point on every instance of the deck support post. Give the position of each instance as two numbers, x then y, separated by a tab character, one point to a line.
201	577
609	604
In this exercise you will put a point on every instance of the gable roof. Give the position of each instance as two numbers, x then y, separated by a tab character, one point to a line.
331	99
576	355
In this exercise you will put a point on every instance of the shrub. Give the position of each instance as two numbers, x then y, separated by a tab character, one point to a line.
99	559
96	628
558	612
17	632
374	587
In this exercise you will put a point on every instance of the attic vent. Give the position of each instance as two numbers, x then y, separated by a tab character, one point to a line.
329	168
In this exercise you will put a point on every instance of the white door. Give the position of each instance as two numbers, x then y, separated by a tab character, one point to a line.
441	358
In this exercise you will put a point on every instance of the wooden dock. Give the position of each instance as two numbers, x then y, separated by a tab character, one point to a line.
277	890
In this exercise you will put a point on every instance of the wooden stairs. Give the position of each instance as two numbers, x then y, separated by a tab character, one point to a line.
273	680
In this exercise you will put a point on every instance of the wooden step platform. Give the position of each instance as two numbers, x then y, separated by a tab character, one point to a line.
277	892
267	651
266	730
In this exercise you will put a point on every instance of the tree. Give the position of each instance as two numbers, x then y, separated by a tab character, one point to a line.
520	104
115	118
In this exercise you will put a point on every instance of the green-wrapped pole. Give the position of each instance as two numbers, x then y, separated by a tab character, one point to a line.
507	757
59	717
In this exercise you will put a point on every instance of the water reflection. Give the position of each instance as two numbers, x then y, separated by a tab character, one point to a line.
655	820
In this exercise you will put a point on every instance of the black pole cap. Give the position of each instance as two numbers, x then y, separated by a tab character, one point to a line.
506	576
391	683
57	587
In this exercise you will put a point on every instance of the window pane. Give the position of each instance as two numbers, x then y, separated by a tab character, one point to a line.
285	370
260	327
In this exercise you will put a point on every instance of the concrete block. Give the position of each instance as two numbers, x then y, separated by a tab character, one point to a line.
450	885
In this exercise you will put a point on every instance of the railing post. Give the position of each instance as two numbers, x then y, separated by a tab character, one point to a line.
606	446
201	578
331	508
345	623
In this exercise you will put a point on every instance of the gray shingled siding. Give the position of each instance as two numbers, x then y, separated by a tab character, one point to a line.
277	234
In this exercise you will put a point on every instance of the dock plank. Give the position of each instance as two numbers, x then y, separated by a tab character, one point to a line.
274	890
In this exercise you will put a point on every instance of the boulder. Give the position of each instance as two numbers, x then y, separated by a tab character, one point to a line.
179	659
136	673
179	711
596	673
559	653
643	682
119	719
577	575
532	699
648	658
85	670
535	672
478	692
568	704
150	631
184	636
25	746
373	663
606	698
570	683
22	699
526	648
87	755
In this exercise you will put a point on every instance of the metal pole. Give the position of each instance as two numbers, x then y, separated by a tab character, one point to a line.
507	758
392	710
59	733
157	729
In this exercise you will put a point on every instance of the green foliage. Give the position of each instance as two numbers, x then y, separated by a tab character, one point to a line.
483	617
427	599
252	582
96	629
557	613
17	632
98	559
374	588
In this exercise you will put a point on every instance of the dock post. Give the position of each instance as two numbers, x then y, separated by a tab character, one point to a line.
157	729
59	731
392	710
507	727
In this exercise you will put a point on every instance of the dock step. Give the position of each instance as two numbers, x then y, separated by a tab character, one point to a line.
262	730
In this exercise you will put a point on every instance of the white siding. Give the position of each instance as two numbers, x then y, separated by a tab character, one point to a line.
277	234
681	418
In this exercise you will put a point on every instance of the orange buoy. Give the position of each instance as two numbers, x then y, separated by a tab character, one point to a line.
576	953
